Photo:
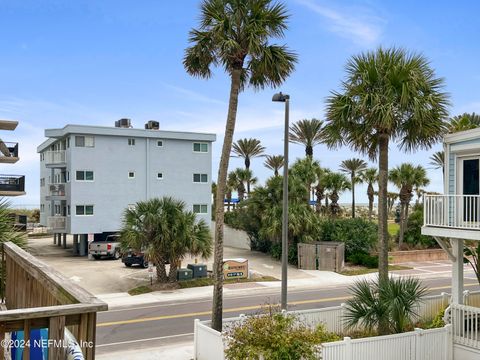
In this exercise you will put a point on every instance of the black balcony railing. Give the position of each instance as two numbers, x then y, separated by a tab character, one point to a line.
12	183
8	149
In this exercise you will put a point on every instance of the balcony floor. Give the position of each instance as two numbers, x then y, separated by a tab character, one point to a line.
451	232
12	193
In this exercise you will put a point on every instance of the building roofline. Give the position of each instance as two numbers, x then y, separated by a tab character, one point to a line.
462	136
54	134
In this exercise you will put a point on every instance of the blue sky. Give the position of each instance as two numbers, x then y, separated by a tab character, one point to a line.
93	62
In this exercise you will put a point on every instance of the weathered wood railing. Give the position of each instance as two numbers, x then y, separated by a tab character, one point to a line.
38	296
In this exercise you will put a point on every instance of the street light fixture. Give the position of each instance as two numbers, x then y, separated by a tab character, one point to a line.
279	97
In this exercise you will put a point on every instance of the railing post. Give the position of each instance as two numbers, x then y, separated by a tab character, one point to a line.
466	295
91	334
418	344
195	338
448	342
348	348
56	335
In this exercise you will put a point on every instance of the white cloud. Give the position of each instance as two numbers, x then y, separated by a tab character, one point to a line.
356	24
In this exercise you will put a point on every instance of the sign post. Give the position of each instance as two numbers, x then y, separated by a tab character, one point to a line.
150	272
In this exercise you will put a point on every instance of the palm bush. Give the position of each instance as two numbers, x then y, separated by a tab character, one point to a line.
167	232
7	230
393	302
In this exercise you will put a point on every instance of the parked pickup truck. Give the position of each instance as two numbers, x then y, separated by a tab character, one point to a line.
110	247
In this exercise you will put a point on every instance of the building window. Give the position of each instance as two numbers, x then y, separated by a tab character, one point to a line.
68	142
131	174
42	208
84	175
160	176
42	182
84	210
200	208
200	178
84	141
131	142
68	176
160	143
200	147
68	210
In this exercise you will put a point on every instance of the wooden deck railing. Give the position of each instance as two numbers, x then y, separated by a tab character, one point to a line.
38	296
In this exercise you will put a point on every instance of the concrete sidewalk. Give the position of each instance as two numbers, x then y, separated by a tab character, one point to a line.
180	351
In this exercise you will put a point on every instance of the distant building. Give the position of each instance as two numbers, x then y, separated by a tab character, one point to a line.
90	174
10	185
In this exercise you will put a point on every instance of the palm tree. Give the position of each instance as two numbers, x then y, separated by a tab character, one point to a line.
7	228
389	95
406	177
320	187
464	122
274	162
336	183
353	167
167	232
305	170
370	176
393	302
391	198
308	133
247	149
437	160
235	35
230	187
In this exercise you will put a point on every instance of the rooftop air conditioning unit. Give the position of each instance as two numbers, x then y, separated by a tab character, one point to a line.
123	123
152	125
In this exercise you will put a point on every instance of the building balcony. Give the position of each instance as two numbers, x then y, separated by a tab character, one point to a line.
56	191
55	159
452	216
12	185
57	223
8	152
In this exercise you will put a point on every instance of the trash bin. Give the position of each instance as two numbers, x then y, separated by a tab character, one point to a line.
184	274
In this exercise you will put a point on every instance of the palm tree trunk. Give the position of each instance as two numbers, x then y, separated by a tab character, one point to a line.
383	218
370	201
172	273
161	273
217	304
353	195
403	225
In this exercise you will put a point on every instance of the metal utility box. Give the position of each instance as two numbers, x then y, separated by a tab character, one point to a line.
199	270
184	274
322	255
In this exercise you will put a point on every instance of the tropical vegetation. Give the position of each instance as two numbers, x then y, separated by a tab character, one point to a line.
308	133
235	35
353	168
166	232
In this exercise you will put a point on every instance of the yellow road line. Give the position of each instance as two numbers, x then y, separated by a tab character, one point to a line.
237	309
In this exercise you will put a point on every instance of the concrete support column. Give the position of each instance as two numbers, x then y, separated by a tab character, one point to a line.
64	241
457	271
83	249
54	239
59	239
75	244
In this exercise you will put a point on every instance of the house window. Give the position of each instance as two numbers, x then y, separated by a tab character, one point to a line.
160	176
131	142
200	147
42	208
84	175
84	210
42	182
200	208
200	178
160	143
84	141
131	174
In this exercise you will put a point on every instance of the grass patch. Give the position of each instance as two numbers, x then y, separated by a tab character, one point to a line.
360	270
144	289
393	228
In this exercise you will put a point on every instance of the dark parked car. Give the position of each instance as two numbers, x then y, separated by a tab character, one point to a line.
134	257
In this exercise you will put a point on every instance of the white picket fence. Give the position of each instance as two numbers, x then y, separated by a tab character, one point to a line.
465	322
209	343
433	344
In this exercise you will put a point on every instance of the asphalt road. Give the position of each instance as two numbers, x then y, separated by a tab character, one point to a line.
154	325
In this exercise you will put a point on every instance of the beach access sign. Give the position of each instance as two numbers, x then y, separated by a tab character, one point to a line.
235	269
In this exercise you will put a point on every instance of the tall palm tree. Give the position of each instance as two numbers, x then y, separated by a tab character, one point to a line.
274	162
167	231
308	133
464	122
248	149
353	167
391	198
336	183
236	36
305	170
389	95
406	177
370	176
437	160
320	187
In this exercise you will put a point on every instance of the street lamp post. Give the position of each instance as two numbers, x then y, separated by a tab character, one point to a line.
286	99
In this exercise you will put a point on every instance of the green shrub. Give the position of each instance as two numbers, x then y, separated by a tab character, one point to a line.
275	336
437	321
359	235
370	261
413	233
